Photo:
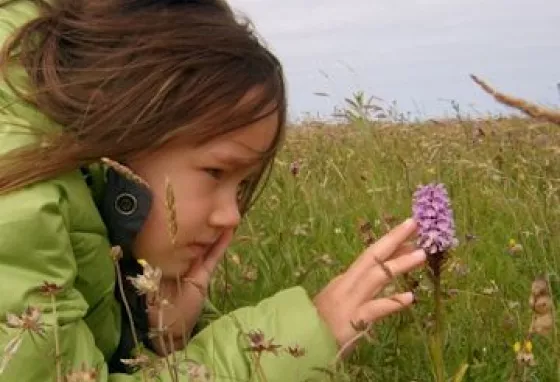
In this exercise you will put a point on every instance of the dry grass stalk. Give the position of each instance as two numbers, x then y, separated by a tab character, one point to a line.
116	255
527	107
125	171
172	226
57	355
161	332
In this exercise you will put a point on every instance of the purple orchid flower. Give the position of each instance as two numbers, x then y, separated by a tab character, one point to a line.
432	211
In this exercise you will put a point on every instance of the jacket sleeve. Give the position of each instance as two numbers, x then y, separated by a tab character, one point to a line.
288	320
294	344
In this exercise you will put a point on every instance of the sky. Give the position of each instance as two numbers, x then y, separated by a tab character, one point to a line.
417	53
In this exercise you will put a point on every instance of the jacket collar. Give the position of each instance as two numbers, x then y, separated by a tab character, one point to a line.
122	203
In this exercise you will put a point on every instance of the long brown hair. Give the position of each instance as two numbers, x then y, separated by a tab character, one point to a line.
124	76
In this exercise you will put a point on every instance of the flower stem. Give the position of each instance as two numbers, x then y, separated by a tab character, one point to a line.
260	372
351	342
437	345
128	314
183	326
173	356
162	340
435	264
56	341
126	306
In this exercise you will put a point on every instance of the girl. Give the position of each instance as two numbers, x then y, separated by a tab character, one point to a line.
183	95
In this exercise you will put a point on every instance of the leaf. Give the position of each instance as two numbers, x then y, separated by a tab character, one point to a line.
461	373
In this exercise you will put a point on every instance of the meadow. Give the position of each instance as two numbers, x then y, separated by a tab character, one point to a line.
336	188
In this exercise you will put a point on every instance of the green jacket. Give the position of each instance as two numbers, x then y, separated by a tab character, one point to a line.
53	232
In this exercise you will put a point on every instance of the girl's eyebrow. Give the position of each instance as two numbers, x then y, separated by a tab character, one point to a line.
243	155
237	160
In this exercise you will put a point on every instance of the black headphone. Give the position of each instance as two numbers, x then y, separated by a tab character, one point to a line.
124	208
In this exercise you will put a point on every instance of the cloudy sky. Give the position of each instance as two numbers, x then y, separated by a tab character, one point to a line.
418	53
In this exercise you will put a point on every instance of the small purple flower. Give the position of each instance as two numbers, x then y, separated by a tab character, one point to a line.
432	211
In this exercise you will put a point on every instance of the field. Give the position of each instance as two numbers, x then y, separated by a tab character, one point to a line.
329	182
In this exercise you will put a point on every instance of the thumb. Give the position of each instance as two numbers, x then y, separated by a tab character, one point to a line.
218	251
202	270
215	255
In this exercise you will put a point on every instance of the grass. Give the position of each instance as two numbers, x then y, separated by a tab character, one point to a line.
336	188
503	177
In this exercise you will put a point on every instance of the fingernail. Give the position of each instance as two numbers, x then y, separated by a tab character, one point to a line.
420	254
409	296
410	222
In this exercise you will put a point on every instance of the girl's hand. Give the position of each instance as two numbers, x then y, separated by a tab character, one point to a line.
186	304
350	297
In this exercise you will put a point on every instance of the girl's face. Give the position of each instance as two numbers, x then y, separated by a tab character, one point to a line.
205	181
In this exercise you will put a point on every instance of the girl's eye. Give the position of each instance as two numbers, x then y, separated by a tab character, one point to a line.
215	173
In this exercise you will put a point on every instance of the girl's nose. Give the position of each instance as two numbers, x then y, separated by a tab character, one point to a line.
226	213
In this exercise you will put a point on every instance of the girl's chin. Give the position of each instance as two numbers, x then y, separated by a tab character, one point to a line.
180	269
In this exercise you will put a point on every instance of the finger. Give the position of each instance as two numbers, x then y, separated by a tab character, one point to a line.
218	251
375	310
201	271
378	277
388	243
384	248
385	272
195	282
404	249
